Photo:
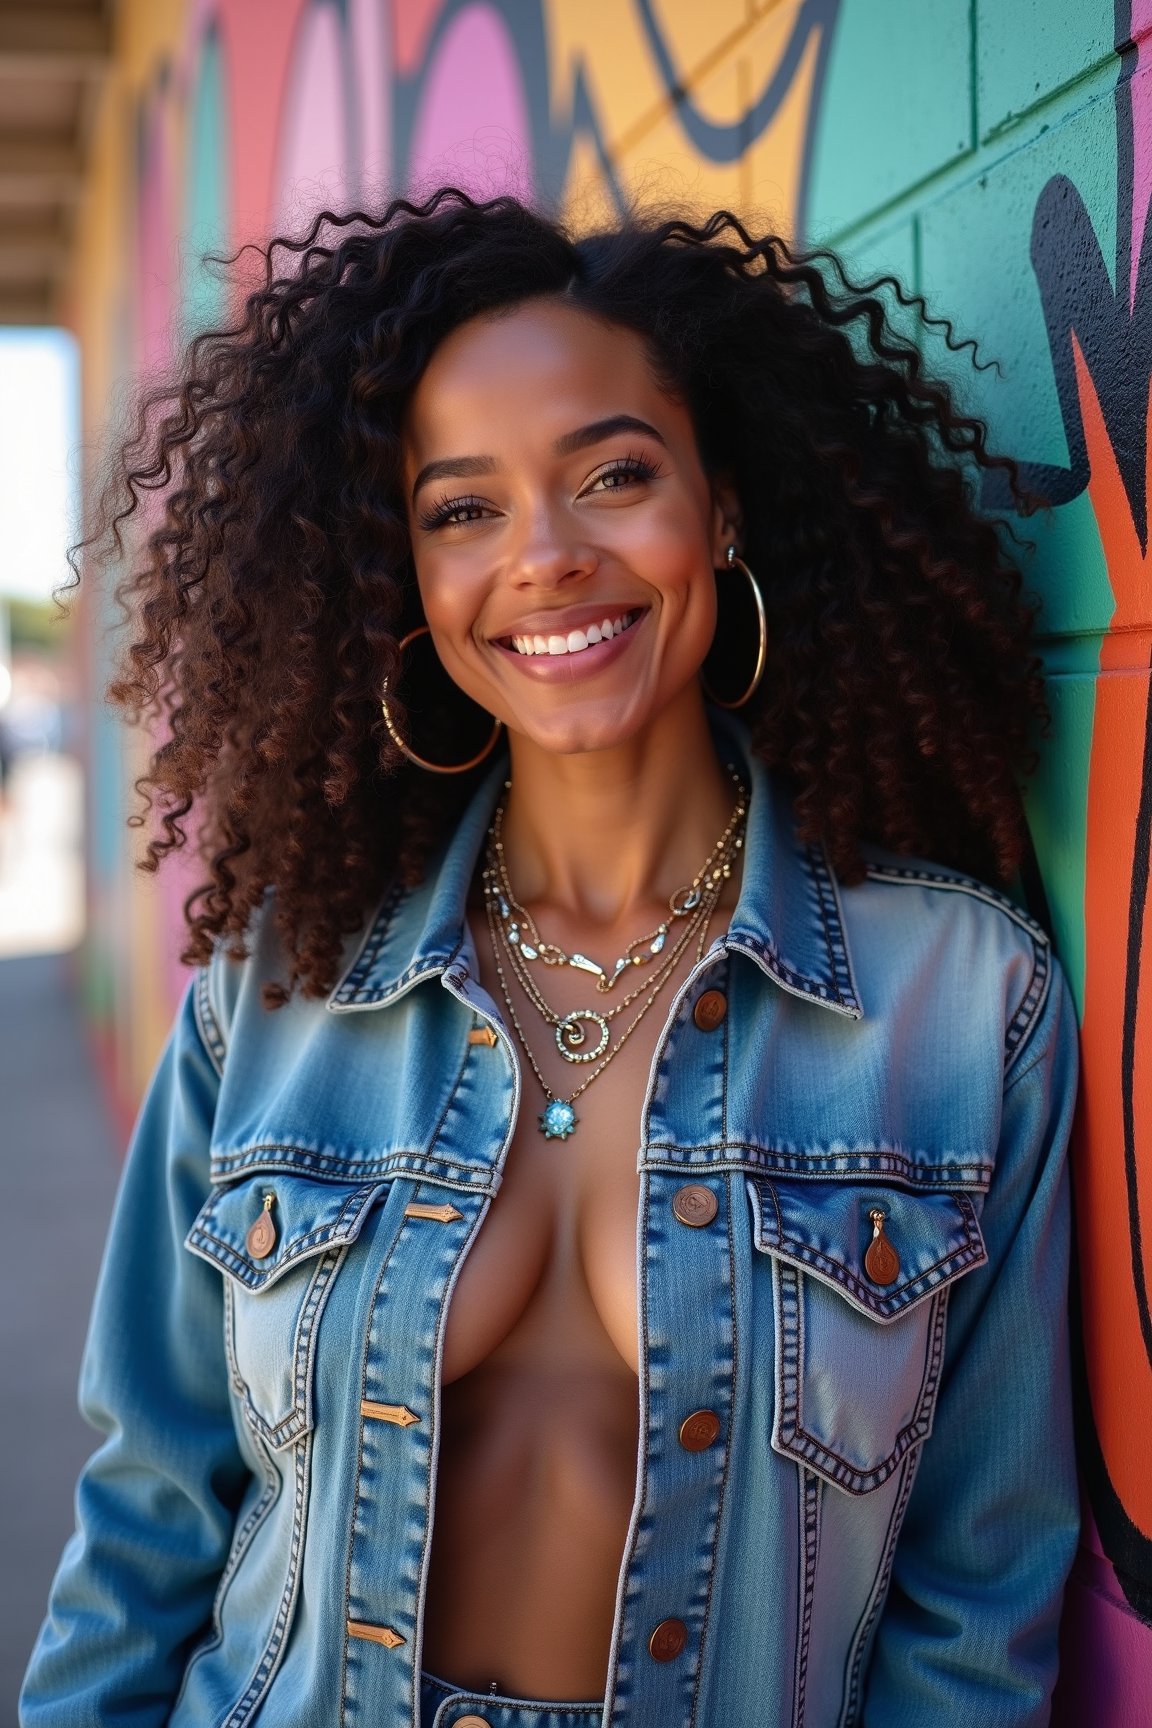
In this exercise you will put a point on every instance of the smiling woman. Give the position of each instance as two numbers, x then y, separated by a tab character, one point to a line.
719	1411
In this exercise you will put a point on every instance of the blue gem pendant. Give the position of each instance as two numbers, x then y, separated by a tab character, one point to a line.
557	1120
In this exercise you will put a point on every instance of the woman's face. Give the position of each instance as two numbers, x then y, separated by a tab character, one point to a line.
564	531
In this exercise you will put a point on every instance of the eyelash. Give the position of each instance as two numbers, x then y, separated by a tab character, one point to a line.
441	513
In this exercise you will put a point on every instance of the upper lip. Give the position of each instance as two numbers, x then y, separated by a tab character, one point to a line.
559	623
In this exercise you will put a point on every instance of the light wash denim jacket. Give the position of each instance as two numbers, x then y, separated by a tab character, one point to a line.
881	1531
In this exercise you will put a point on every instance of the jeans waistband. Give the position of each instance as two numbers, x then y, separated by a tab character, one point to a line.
443	1705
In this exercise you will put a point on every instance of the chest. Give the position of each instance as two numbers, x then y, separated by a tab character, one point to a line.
554	1268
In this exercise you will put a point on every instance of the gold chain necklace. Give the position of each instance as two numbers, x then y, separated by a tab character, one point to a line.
523	933
558	1119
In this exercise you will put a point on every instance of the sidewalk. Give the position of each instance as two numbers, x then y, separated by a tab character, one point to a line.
58	1162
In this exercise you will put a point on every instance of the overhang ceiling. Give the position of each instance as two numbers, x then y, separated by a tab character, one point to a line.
54	55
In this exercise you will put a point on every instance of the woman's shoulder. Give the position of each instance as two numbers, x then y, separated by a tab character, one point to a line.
918	929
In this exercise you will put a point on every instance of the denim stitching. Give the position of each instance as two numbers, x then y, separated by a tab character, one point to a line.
886	1307
793	1438
273	1650
942	1270
721	1488
819	1166
635	1525
241	1542
820	874
206	1023
789	1351
1028	1014
336	1234
354	1162
369	1313
962	884
809	1504
434	1414
862	1641
366	958
295	1422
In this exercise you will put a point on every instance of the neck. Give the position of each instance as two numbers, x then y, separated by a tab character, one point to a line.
600	835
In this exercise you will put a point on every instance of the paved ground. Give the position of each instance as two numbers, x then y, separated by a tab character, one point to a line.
58	1166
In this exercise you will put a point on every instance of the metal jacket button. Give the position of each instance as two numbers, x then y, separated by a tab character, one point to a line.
668	1640
699	1431
710	1010
694	1205
472	1722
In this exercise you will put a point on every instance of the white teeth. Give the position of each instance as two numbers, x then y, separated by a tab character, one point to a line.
576	640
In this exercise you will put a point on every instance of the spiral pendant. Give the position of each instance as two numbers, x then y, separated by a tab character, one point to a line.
571	1035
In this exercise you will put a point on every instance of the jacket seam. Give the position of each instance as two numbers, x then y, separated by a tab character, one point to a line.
838	957
274	1648
860	1643
722	1488
1042	990
379	1164
956	1173
325	1236
370	1313
809	1510
207	1025
958	883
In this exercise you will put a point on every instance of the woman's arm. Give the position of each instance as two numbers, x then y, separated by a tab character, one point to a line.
156	1503
969	1631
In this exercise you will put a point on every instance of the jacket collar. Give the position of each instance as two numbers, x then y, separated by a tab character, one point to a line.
788	919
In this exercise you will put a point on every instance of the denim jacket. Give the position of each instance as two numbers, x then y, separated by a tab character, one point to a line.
880	1531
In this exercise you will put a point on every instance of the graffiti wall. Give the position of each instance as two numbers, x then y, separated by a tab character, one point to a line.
995	154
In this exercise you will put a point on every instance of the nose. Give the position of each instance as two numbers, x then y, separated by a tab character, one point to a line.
551	550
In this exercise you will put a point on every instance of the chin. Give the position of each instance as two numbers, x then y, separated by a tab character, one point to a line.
578	734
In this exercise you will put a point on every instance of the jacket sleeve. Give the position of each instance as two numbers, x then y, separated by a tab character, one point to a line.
969	1630
156	1503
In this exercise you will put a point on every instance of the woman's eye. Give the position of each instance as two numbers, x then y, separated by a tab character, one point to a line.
452	512
623	474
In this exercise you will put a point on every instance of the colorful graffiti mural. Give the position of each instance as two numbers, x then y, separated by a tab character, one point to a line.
1002	169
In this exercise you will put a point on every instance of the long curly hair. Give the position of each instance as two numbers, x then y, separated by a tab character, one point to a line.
271	579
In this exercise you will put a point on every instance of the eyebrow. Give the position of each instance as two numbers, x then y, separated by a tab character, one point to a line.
465	467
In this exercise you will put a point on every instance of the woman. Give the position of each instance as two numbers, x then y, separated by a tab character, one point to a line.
595	1246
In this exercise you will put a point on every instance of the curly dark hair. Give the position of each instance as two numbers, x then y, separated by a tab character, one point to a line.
273	577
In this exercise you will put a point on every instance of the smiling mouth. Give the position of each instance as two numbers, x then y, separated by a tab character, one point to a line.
573	641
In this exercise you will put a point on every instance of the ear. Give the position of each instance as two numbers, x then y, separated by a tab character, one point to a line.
727	518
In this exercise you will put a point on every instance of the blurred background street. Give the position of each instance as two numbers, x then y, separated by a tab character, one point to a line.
58	1163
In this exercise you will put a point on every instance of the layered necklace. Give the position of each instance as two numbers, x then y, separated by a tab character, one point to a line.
590	1035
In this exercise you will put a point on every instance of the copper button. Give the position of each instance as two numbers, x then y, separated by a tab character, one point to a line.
710	1009
668	1640
694	1205
699	1431
261	1237
472	1722
881	1261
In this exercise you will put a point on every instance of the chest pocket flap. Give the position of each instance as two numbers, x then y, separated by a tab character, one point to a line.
859	1336
279	1241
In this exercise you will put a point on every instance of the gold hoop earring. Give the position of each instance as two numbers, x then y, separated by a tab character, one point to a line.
735	563
406	749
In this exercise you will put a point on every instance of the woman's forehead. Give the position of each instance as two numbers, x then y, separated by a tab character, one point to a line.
544	360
